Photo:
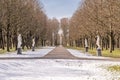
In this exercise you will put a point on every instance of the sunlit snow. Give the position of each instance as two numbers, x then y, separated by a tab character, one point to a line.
55	69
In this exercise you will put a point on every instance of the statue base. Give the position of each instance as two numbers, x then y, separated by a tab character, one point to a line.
19	51
33	48
86	49
99	52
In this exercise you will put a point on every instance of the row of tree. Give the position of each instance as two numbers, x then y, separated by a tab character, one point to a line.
92	18
96	17
25	17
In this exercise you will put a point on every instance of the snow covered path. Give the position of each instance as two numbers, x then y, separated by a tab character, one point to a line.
55	69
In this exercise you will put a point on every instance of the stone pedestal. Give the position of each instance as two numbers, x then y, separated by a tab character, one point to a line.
86	49
19	51
99	52
33	48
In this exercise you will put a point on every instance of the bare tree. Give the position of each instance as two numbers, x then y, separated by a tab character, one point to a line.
95	17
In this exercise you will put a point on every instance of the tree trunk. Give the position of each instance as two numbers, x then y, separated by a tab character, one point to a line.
102	43
91	42
8	37
119	42
23	43
111	41
3	41
0	38
74	43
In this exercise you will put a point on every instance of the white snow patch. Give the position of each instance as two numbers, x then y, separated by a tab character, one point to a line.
56	69
37	53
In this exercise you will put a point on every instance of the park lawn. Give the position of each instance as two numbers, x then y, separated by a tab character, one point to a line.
115	68
105	53
5	50
2	51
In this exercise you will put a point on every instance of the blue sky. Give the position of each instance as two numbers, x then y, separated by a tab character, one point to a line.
60	8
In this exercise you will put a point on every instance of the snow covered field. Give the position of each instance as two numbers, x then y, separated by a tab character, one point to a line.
55	69
37	53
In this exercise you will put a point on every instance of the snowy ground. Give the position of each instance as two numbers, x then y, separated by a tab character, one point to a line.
56	69
37	53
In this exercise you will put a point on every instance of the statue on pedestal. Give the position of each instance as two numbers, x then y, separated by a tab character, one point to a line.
33	44
98	46
19	48
98	42
86	45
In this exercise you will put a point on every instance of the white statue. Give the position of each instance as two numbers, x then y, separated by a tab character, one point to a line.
19	50
19	41
86	43
33	42
98	41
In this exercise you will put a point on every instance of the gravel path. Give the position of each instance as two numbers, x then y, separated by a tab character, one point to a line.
59	53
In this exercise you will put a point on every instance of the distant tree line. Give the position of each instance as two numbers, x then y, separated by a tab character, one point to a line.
25	17
96	17
65	28
52	32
